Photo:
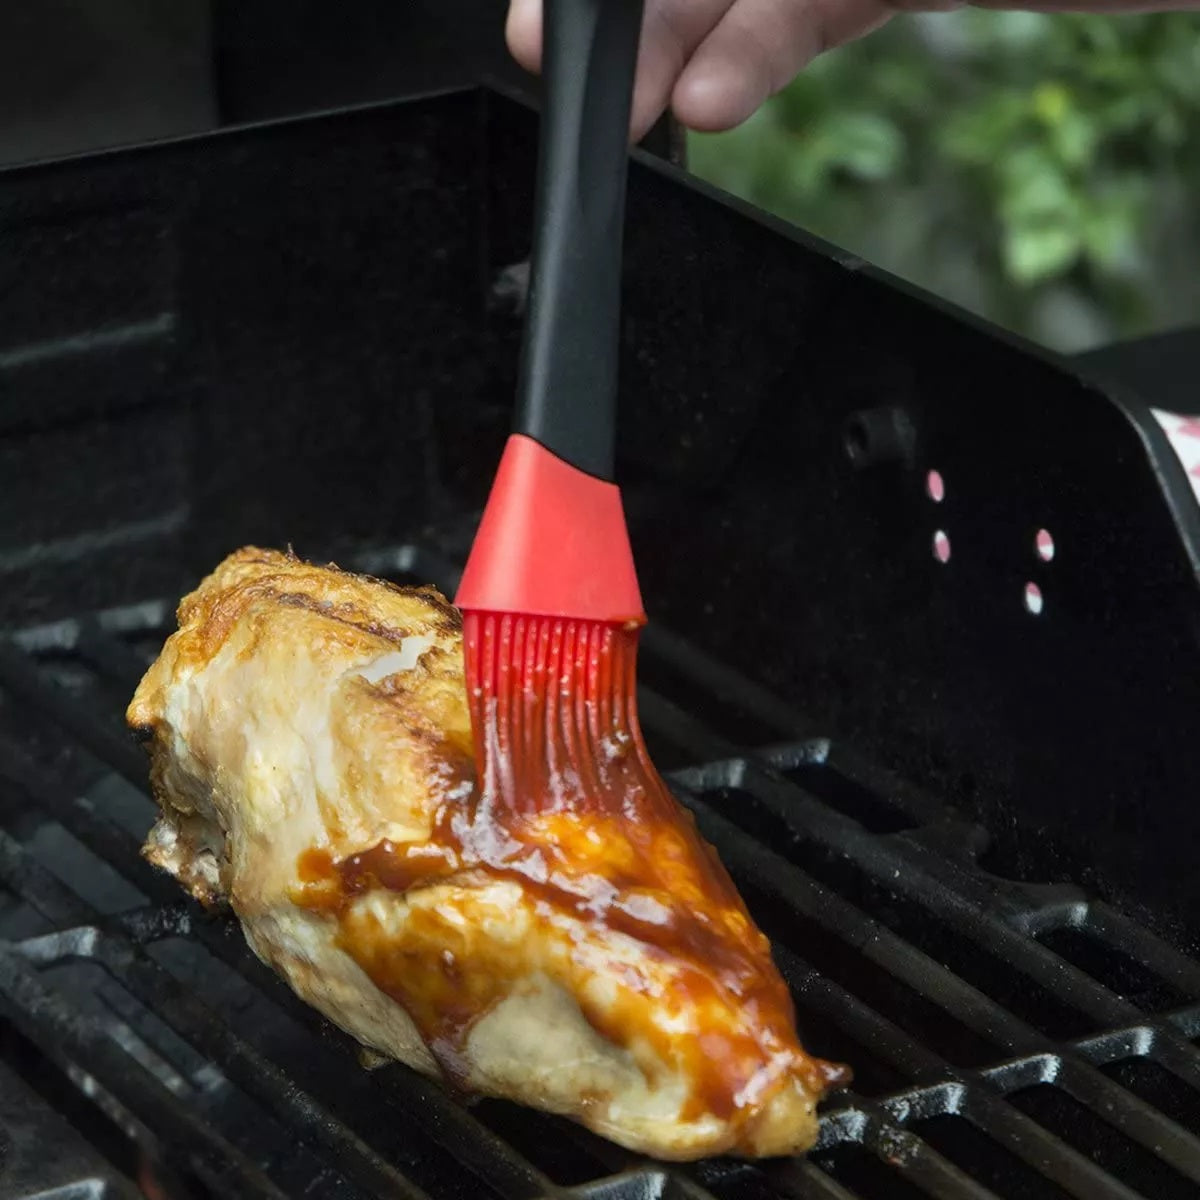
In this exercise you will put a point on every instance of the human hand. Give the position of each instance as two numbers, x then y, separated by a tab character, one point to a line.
714	62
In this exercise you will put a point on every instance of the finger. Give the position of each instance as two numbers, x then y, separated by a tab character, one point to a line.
671	31
523	32
757	49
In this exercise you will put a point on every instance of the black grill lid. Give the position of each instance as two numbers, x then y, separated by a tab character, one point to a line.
217	342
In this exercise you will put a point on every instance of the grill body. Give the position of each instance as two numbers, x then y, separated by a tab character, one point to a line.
967	827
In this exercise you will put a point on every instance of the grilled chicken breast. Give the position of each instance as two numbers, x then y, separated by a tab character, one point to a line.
311	753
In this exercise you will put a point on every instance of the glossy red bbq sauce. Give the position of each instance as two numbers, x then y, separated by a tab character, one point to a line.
572	810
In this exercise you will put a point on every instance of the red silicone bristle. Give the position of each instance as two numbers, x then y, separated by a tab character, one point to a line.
554	709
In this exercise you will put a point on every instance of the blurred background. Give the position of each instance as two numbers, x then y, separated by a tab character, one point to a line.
1043	171
1040	170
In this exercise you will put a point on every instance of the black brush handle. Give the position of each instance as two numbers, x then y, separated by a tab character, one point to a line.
567	396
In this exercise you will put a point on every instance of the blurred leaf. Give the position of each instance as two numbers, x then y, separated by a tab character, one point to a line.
972	135
1011	159
1033	187
1034	253
867	146
1111	221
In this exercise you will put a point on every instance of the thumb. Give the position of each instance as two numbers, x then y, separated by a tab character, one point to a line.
523	32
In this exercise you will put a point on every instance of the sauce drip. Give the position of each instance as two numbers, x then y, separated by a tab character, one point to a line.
564	802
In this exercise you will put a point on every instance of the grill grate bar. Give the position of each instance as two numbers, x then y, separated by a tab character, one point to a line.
869	1028
1011	1129
968	905
976	907
717	679
33	883
1187	1021
926	864
975	914
806	1181
1116	929
791	887
970	909
142	617
108	841
1040	1149
111	657
926	810
1138	1120
470	1141
925	1167
648	1184
913	1159
31	1008
795	889
20	677
150	984
445	1120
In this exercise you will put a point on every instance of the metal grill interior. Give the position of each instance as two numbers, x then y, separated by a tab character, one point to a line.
1009	1039
1013	1034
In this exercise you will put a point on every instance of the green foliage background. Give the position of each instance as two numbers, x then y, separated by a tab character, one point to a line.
1043	170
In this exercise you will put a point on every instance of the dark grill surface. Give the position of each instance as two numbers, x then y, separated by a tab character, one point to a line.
1009	1039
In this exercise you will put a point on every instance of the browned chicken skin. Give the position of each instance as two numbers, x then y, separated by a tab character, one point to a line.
311	752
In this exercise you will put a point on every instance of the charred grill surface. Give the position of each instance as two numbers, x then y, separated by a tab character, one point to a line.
1008	1038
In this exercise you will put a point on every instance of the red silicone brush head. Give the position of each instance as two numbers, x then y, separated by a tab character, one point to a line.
552	542
551	609
554	708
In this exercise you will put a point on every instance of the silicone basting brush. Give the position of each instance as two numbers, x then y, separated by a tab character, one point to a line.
550	595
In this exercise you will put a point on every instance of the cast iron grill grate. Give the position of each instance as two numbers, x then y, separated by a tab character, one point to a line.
1009	1039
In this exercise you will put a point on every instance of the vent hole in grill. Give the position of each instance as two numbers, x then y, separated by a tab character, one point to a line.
1044	545
861	1172
1034	600
1077	1125
941	546
1159	1087
935	487
872	811
1115	969
987	1162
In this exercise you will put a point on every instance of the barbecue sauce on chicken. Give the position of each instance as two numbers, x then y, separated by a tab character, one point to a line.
590	835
